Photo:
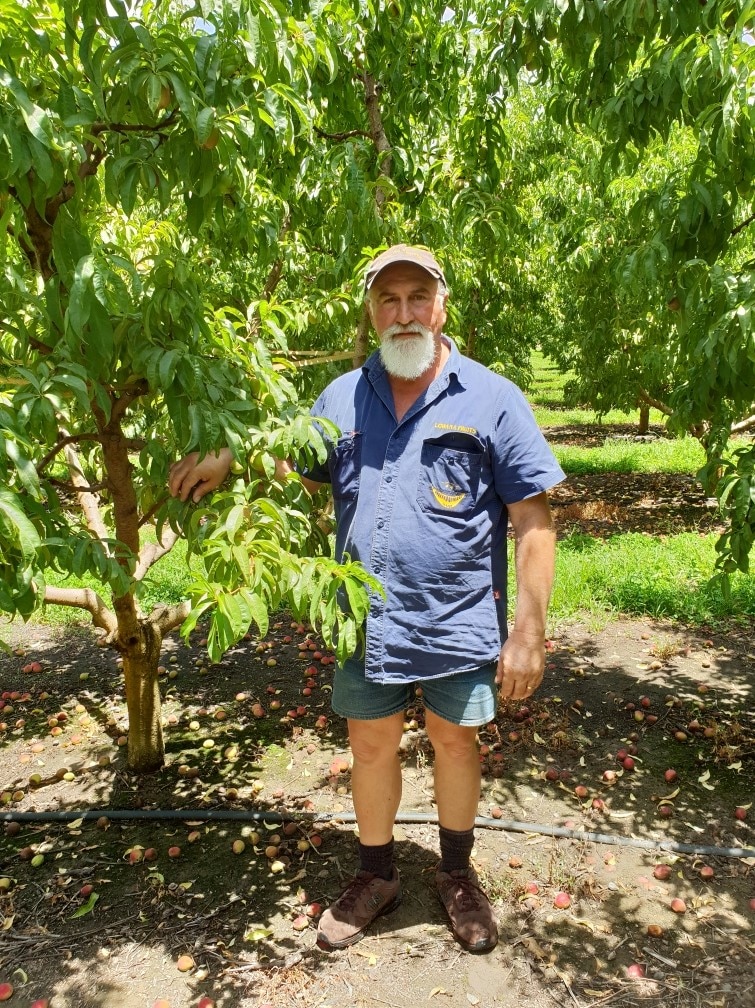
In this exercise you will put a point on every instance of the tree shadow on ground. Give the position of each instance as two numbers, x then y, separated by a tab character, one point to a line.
634	684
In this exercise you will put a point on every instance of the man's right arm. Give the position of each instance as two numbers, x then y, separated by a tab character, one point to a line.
194	477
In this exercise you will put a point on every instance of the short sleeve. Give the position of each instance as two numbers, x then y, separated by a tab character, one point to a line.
524	464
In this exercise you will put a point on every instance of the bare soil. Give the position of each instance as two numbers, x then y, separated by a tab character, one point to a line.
559	814
238	915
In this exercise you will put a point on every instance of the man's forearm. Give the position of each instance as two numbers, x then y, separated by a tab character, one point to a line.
535	563
534	552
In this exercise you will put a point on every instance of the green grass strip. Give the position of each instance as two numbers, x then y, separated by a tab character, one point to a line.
680	455
641	575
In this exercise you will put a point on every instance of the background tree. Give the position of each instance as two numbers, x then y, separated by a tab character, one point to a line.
653	228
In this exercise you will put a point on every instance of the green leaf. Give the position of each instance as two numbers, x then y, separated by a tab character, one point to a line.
205	124
27	535
87	907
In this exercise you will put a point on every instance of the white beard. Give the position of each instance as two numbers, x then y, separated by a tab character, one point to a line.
407	357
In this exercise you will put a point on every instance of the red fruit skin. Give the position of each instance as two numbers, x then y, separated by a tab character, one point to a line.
669	776
678	906
562	900
740	813
636	971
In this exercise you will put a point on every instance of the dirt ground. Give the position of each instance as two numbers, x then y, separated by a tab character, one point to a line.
560	815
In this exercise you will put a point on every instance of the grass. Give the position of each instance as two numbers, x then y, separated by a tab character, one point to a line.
677	455
642	575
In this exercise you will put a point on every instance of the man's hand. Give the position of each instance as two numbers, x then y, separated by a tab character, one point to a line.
521	665
193	478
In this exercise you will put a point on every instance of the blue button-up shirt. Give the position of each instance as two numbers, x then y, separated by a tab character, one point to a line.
421	502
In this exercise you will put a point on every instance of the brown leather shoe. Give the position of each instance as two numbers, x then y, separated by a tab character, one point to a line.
468	909
364	899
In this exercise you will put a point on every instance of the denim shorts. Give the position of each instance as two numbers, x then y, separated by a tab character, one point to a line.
467	698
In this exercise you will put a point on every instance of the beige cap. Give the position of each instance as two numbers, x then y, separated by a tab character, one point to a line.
403	253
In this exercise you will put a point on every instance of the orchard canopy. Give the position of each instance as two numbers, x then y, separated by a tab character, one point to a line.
189	193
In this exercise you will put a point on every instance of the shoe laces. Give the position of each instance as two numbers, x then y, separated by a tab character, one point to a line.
348	898
466	894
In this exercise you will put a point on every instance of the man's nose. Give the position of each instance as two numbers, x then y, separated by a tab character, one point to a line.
405	313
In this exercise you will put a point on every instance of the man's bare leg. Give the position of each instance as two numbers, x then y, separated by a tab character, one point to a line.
376	776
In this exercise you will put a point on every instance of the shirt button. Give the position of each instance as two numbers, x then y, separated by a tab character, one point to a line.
380	524
389	479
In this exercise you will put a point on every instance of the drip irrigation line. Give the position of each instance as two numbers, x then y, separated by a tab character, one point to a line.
509	825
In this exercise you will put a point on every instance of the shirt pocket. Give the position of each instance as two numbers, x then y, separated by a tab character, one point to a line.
345	466
449	481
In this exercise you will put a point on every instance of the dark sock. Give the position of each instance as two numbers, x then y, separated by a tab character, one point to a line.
455	849
377	860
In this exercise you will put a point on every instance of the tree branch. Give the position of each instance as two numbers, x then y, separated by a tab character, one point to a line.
150	553
377	133
645	397
743	425
167	618
94	158
340	137
122	402
745	223
276	270
89	501
83	598
114	127
68	439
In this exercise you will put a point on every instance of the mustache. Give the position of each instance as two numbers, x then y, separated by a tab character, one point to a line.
401	330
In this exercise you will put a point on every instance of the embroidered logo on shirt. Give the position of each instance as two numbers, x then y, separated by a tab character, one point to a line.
456	427
447	500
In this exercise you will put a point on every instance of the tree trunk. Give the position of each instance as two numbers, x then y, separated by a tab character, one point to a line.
141	655
644	418
471	347
362	341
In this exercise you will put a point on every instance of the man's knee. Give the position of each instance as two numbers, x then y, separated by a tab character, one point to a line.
451	740
375	741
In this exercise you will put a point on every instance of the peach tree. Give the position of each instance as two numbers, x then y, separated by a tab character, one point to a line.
140	143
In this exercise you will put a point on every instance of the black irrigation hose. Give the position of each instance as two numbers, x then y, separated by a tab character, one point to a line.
349	817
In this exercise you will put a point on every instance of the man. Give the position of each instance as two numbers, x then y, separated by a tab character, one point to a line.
435	454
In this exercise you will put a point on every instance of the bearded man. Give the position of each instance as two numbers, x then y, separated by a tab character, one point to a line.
437	456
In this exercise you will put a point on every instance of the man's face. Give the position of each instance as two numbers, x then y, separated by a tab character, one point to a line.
408	314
